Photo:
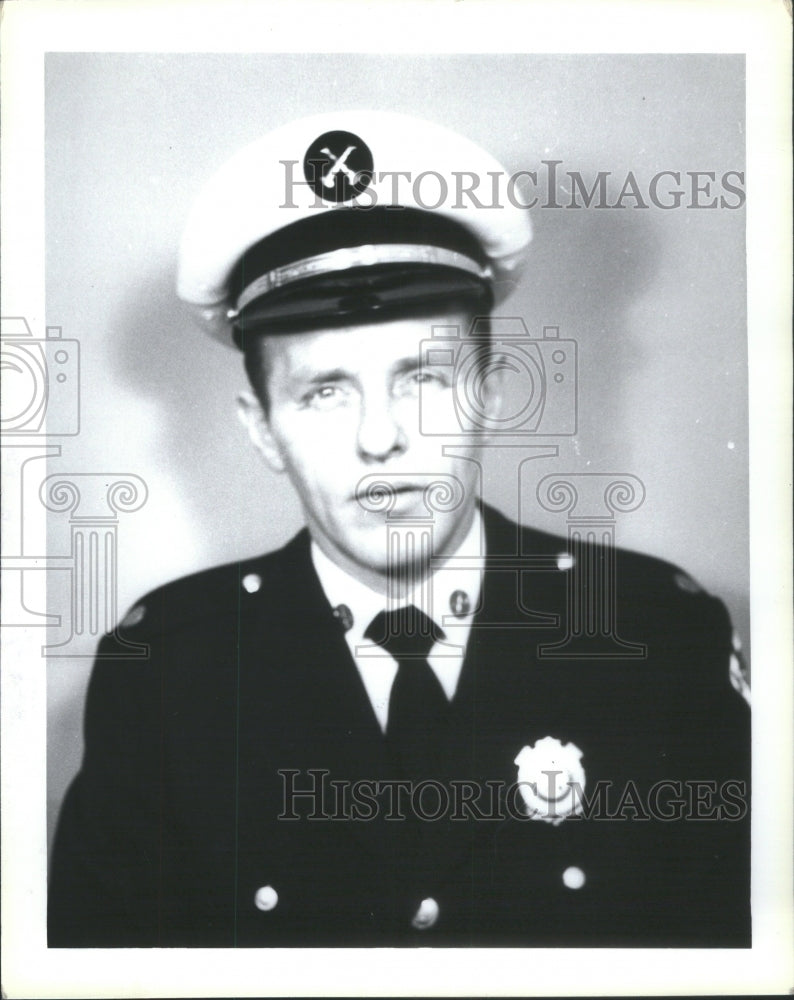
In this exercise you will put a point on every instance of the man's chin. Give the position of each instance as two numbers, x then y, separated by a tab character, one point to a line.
378	561
373	566
381	551
403	541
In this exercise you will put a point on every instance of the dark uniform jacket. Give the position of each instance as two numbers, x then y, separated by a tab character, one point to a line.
194	755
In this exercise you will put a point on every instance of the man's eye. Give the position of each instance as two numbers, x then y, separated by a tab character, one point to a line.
324	397
428	377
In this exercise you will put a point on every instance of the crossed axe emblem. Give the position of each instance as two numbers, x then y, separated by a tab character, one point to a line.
339	166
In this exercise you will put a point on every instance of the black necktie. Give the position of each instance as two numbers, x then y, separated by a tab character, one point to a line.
418	706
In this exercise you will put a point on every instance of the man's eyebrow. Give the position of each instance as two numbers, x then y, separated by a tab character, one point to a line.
307	376
409	364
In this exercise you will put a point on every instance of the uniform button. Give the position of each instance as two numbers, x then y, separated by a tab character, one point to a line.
573	878
565	561
252	582
266	898
426	915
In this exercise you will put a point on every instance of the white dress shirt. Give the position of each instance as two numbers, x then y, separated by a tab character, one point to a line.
452	591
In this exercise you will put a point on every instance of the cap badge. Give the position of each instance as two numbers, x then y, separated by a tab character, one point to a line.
338	166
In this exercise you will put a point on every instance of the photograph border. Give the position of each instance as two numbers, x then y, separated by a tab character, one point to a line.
759	28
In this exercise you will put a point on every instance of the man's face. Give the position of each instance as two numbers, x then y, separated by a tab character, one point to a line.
343	405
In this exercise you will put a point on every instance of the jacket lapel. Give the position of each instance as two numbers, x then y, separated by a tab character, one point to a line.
310	678
499	703
332	727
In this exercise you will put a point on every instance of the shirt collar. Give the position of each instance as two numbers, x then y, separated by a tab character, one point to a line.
436	600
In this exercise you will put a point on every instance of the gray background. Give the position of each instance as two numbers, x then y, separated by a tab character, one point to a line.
655	299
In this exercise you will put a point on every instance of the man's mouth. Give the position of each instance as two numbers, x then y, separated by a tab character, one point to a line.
384	489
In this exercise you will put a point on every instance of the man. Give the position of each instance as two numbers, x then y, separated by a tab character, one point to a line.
378	735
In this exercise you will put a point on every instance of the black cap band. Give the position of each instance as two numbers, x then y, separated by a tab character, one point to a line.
354	262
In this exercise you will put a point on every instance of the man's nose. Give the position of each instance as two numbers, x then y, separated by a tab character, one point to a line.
380	432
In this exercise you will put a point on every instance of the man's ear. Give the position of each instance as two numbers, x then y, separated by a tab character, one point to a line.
254	419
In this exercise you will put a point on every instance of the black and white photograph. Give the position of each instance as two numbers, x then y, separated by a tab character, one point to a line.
381	513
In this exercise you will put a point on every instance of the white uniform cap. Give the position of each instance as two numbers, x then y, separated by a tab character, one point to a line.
330	163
